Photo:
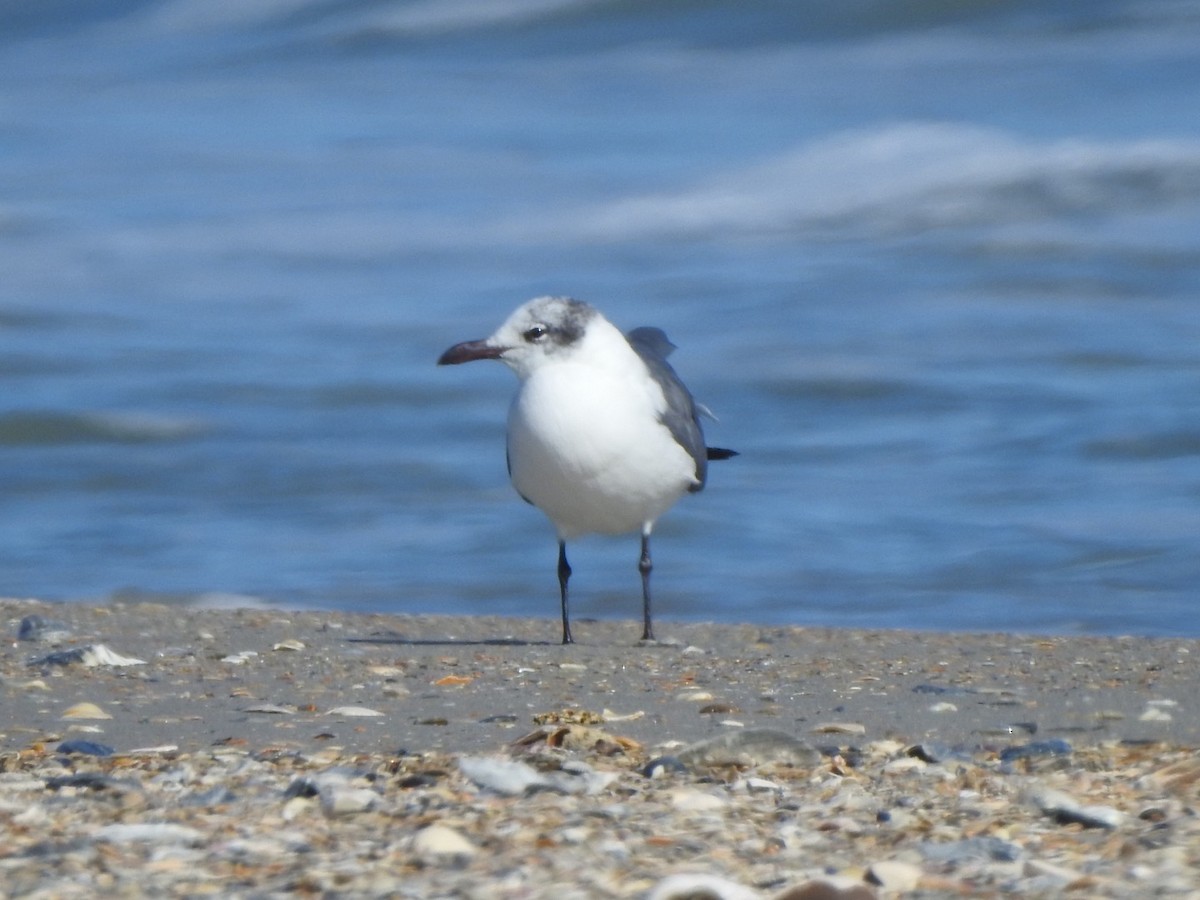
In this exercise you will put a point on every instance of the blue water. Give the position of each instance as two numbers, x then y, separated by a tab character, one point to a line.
936	267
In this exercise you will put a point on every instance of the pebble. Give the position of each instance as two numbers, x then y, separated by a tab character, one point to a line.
580	824
271	709
894	875
934	752
968	850
86	748
441	841
36	628
513	777
90	656
1066	810
149	833
689	800
85	711
662	766
352	712
339	800
1055	747
219	802
504	776
839	728
751	747
701	887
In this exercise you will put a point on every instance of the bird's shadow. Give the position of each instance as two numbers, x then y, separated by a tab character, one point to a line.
400	639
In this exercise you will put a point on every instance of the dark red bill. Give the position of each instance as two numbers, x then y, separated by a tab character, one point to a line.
468	351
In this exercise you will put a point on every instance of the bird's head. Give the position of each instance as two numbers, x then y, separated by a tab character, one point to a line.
539	332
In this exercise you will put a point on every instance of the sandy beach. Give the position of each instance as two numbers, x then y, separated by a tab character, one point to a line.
151	749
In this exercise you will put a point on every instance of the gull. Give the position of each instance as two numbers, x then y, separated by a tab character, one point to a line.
603	437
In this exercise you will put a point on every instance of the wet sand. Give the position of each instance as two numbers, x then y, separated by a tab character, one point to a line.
470	684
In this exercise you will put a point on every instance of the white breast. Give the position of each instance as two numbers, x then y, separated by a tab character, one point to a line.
586	446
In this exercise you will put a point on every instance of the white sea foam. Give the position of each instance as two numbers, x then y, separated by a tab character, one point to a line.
899	179
910	177
429	16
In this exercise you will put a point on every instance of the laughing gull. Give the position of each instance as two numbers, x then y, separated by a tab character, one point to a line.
603	437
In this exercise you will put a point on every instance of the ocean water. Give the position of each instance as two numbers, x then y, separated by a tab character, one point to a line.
935	267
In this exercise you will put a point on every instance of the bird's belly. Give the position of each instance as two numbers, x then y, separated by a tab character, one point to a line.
593	456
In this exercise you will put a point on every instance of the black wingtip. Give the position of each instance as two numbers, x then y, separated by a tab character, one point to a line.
720	453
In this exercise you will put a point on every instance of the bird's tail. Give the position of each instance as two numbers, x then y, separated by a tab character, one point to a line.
720	453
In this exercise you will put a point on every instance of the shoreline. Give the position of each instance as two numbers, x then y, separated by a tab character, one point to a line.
958	689
258	752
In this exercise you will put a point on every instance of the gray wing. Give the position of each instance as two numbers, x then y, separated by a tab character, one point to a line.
680	417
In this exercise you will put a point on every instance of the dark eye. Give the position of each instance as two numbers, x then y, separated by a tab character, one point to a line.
535	334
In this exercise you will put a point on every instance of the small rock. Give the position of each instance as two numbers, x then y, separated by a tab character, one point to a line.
1041	869
504	776
149	833
85	711
760	786
752	747
219	795
86	748
339	800
92	781
577	777
933	752
1155	714
441	841
610	716
956	853
904	764
302	787
700	887
689	800
499	719
33	684
937	689
894	875
1066	810
90	656
35	628
353	712
101	655
840	728
662	766
1054	747
157	750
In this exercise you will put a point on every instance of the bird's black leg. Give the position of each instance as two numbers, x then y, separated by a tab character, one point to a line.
564	575
644	566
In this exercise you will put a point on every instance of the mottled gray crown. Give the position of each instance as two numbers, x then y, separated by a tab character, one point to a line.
565	319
